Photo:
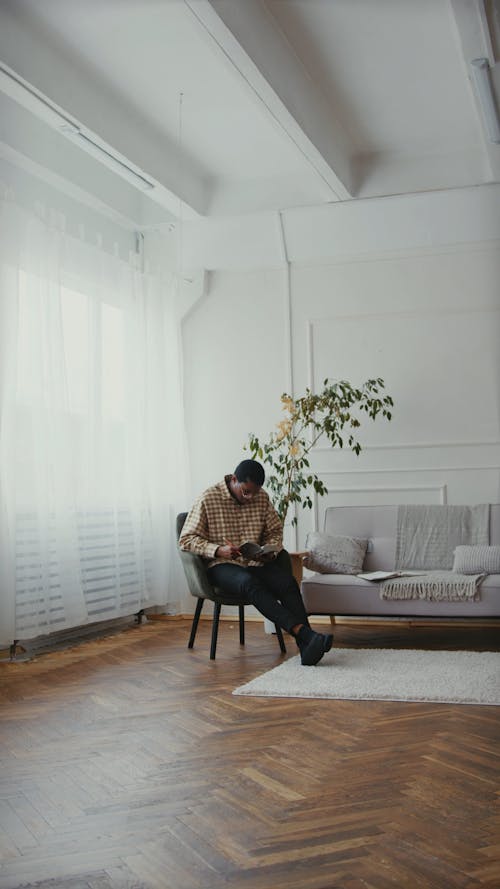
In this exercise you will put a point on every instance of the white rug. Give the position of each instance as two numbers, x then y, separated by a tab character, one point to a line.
380	674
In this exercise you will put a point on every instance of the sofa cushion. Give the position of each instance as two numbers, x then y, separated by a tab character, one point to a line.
327	554
477	559
348	595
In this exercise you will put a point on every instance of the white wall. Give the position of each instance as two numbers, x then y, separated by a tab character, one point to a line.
418	304
235	368
429	324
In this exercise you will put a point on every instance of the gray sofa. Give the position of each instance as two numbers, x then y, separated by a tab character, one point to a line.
349	595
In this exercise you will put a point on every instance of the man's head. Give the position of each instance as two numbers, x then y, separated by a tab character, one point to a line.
247	480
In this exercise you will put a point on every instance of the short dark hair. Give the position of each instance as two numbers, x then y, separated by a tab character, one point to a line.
250	471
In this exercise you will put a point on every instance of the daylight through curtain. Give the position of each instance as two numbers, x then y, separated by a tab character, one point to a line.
91	432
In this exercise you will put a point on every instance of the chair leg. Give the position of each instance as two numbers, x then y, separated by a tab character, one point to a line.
279	636
194	625
215	629
241	610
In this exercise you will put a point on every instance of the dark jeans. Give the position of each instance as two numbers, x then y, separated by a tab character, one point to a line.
273	591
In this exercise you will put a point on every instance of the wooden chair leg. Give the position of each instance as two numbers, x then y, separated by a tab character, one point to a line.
215	629
194	625
279	636
241	610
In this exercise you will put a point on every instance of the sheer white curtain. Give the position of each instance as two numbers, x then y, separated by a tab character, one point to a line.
91	432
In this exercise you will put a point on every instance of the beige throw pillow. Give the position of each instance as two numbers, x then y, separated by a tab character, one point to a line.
477	560
334	555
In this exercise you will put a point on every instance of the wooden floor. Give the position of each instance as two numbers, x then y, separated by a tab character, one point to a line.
127	763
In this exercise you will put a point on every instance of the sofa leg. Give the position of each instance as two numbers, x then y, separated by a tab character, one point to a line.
332	620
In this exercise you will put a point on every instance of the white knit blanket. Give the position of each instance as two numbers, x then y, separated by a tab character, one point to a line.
435	586
427	535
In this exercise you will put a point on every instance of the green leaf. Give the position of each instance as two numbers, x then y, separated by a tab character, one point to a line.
317	415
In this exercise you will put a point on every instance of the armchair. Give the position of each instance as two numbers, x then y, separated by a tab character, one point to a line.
200	587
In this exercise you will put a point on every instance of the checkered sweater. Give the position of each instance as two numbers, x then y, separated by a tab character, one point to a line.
217	517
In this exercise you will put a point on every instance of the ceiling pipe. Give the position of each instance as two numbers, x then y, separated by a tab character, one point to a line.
484	91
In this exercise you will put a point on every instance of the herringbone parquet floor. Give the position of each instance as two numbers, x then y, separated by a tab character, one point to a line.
126	763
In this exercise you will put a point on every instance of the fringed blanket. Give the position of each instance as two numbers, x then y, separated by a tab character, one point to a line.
428	535
436	586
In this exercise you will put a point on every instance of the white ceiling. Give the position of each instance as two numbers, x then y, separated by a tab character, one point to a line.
235	107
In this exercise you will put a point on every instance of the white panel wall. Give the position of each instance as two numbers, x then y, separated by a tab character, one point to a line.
236	367
235	370
429	324
410	291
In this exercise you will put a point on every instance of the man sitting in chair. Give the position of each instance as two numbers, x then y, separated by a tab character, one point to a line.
235	510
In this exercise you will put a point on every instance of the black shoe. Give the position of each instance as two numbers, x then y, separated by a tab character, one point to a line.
312	646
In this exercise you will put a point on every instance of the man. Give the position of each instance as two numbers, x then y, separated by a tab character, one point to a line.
223	517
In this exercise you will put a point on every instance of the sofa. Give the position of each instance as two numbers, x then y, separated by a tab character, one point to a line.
348	595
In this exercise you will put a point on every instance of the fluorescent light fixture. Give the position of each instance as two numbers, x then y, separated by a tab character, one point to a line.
27	96
484	92
110	160
24	94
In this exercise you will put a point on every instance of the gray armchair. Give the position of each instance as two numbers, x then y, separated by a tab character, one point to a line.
202	589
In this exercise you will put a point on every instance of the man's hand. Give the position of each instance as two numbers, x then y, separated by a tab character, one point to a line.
228	551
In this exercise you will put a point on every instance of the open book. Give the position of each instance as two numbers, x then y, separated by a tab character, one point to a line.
387	575
250	550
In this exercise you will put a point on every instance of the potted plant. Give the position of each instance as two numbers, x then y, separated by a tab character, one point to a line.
335	414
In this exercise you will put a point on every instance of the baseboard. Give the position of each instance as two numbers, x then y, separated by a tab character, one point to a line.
353	621
77	635
165	616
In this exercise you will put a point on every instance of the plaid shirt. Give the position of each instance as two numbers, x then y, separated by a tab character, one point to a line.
217	517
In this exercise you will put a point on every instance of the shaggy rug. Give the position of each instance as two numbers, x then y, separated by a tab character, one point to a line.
376	674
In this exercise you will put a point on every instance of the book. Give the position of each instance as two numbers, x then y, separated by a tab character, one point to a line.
250	550
387	575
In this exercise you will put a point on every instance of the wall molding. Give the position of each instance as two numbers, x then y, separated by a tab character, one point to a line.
471	468
441	489
428	312
404	445
311	323
490	246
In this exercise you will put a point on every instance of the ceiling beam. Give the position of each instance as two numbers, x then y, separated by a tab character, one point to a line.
78	94
248	36
30	144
